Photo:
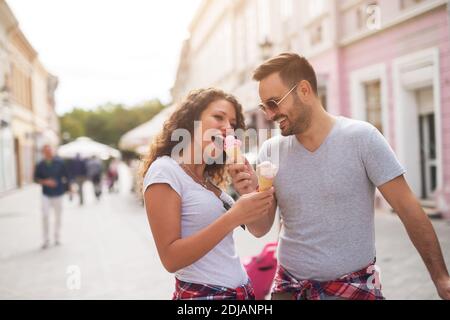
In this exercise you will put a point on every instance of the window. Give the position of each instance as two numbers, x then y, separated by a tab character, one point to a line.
373	104
316	35
21	87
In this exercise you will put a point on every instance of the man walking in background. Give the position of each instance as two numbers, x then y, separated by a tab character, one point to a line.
51	173
94	168
78	175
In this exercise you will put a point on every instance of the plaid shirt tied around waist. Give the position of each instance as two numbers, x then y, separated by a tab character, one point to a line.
194	291
359	285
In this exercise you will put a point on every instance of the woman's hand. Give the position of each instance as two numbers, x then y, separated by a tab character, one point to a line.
252	207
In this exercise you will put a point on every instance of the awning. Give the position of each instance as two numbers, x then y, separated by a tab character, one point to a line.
86	147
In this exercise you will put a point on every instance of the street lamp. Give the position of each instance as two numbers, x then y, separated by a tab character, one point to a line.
266	48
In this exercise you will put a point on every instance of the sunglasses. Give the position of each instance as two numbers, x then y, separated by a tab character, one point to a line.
273	105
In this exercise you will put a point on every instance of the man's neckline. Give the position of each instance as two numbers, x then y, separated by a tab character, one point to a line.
324	142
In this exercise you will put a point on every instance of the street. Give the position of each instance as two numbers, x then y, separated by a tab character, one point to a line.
109	247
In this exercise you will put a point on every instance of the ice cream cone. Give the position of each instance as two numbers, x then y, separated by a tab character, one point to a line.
266	173
264	183
233	151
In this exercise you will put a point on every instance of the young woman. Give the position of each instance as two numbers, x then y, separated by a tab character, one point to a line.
186	209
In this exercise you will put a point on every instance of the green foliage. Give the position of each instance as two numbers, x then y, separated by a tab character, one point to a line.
106	123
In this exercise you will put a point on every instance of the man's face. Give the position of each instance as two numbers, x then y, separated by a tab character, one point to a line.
47	152
293	115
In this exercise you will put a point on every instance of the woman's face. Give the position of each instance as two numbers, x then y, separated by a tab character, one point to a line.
219	118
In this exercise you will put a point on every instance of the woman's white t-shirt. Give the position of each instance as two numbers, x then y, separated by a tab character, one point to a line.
199	208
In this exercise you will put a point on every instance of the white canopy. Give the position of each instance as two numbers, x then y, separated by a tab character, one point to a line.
87	147
139	138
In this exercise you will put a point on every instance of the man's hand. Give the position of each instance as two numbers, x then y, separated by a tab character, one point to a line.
443	288
51	183
243	177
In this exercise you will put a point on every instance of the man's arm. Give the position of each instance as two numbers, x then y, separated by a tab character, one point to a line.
38	176
420	231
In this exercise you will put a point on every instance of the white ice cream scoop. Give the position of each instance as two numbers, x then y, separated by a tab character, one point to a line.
267	169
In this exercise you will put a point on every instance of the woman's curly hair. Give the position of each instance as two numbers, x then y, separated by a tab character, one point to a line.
190	110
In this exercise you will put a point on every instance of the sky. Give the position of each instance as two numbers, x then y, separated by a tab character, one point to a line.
119	51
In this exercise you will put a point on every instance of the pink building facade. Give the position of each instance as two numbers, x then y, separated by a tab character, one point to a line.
398	78
382	61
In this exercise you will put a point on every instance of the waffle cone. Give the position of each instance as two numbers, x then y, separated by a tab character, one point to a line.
264	183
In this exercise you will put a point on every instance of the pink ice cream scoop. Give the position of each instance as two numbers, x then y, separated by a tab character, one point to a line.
231	142
232	148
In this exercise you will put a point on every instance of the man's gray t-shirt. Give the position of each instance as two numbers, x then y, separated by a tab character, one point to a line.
326	198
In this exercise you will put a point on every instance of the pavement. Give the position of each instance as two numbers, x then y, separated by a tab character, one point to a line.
107	250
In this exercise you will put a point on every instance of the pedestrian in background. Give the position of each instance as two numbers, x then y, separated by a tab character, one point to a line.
52	174
113	175
94	169
78	175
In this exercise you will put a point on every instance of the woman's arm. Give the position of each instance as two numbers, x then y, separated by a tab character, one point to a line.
262	226
163	207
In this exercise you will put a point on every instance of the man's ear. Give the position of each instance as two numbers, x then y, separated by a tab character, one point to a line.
304	89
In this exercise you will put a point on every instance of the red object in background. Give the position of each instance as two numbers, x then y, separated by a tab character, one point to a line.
261	270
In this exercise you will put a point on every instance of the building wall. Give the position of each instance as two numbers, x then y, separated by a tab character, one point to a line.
211	42
7	159
26	104
21	57
425	32
45	127
327	66
223	49
349	43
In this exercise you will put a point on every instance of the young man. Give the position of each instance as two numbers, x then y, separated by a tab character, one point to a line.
51	173
329	168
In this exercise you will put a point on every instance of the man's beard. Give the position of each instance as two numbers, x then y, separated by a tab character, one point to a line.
300	121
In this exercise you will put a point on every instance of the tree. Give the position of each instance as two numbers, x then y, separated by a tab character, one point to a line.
108	122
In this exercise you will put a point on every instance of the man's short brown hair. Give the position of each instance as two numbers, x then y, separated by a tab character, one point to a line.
292	68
